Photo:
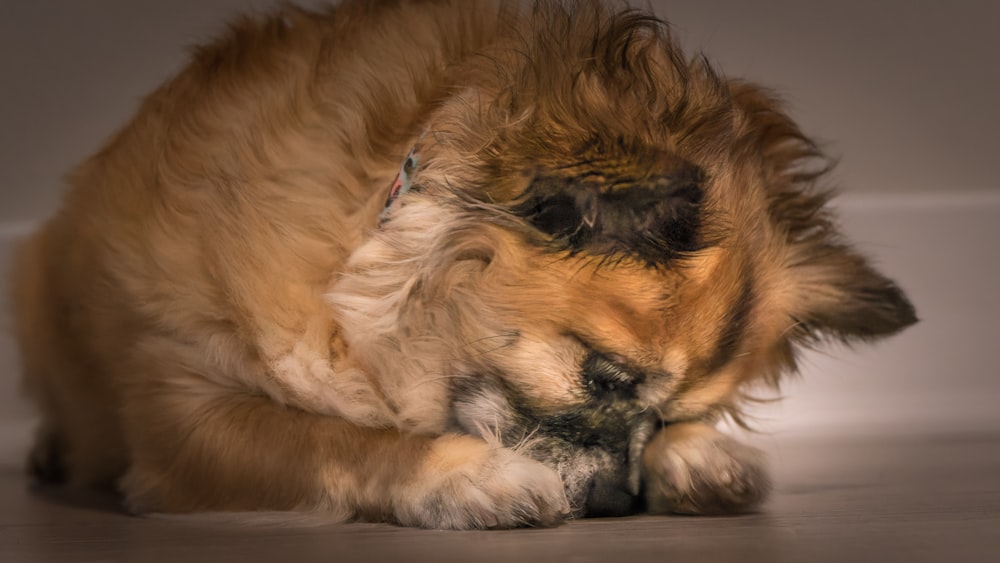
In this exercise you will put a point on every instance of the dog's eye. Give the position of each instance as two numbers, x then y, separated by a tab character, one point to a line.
606	378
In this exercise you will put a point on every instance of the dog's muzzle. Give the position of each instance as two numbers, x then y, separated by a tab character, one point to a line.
616	482
595	448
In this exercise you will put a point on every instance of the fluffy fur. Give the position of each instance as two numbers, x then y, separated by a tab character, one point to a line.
605	244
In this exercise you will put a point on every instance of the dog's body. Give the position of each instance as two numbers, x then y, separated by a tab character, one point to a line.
603	246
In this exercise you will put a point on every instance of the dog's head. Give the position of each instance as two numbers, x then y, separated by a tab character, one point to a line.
602	237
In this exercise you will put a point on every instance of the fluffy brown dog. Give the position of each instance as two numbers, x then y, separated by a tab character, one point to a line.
593	248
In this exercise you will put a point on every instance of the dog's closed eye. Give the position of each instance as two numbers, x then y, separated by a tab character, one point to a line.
654	218
605	378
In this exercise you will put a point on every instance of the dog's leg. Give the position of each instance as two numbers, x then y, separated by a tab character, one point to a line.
197	448
692	468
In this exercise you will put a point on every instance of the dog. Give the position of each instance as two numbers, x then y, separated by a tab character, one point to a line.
437	263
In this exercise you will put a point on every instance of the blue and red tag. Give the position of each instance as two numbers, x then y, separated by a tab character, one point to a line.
403	181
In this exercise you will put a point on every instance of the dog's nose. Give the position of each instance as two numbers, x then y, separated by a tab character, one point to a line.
616	493
609	497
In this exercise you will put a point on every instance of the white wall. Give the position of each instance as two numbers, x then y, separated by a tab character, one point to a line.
904	92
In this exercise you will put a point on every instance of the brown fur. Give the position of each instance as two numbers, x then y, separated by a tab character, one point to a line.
217	320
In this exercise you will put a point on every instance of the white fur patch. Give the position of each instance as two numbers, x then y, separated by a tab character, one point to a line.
407	354
484	413
311	383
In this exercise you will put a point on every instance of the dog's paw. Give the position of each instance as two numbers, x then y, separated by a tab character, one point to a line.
465	483
695	469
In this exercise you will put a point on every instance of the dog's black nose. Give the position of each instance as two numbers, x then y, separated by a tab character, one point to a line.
608	498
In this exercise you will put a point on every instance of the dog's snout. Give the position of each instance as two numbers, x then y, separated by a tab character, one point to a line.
617	493
609	497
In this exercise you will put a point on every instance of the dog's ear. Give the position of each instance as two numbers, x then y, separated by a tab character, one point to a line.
654	219
842	296
838	292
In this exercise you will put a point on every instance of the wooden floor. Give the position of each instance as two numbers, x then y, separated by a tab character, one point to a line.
902	498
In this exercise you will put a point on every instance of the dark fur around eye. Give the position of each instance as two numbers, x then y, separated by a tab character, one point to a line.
654	219
605	378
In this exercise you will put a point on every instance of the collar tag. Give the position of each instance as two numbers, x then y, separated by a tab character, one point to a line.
403	181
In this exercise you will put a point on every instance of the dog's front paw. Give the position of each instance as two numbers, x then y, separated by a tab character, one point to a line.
465	483
695	469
